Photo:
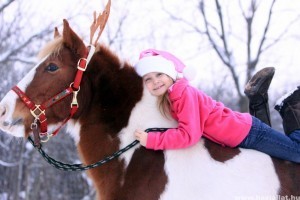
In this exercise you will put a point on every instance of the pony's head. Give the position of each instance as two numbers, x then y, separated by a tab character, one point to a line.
50	77
58	87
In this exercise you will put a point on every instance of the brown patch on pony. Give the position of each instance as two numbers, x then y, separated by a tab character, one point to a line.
95	144
117	88
289	177
220	153
145	177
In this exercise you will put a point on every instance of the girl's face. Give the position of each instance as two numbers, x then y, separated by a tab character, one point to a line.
157	83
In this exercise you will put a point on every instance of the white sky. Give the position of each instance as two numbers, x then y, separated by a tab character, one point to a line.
150	27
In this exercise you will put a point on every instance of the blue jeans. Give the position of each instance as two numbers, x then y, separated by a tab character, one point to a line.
274	143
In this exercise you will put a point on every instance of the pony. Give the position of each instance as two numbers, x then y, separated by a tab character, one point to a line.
111	103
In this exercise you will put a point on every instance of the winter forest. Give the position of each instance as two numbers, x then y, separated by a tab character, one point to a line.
227	41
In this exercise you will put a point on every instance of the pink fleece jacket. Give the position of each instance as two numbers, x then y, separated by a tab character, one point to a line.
198	114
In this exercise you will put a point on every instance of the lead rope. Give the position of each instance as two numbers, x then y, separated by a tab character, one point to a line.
81	167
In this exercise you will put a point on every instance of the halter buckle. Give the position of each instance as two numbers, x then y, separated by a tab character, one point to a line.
75	93
74	99
34	124
82	67
37	111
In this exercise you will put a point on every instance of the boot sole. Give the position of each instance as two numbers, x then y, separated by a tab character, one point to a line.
262	77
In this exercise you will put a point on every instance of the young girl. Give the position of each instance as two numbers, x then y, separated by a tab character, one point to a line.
199	115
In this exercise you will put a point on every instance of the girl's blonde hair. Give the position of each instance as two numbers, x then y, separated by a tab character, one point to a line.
164	105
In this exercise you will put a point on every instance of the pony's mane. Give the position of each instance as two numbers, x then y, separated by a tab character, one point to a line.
53	46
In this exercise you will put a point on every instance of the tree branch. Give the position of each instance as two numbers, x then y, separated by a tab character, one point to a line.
223	34
188	23
7	164
6	5
259	52
227	58
17	49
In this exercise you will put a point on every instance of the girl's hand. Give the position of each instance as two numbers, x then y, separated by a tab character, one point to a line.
141	136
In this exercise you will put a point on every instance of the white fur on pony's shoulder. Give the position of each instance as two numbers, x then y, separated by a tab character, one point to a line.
144	115
192	174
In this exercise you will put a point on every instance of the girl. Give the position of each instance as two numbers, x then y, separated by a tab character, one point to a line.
199	115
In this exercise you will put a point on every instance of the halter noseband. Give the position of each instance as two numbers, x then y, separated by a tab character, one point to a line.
38	111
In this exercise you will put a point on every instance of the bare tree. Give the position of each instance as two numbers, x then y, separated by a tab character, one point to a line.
218	30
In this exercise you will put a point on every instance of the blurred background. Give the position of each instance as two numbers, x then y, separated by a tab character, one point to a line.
226	41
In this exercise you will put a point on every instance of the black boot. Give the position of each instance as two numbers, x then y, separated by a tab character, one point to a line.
289	108
257	92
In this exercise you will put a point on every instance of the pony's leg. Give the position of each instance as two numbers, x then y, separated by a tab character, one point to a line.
289	108
257	92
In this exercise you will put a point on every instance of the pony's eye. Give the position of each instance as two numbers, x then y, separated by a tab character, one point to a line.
51	67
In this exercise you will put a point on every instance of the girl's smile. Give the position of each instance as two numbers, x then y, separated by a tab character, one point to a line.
157	83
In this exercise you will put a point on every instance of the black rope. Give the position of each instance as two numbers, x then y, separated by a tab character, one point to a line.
81	167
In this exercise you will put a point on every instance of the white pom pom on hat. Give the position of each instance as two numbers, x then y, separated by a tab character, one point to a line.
152	60
190	73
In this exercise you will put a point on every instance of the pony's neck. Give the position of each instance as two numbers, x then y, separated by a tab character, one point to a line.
115	88
111	90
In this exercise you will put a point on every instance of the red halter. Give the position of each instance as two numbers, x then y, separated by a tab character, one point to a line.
39	111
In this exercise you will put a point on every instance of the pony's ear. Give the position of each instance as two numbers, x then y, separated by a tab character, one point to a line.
72	41
56	33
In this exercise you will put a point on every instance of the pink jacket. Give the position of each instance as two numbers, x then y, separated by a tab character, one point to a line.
198	114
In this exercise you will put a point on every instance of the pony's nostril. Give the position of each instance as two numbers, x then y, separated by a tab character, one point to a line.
3	110
3	115
5	124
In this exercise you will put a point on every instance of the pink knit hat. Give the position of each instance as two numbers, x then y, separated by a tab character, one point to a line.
152	60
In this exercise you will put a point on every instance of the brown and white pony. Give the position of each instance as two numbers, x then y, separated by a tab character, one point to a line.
112	104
